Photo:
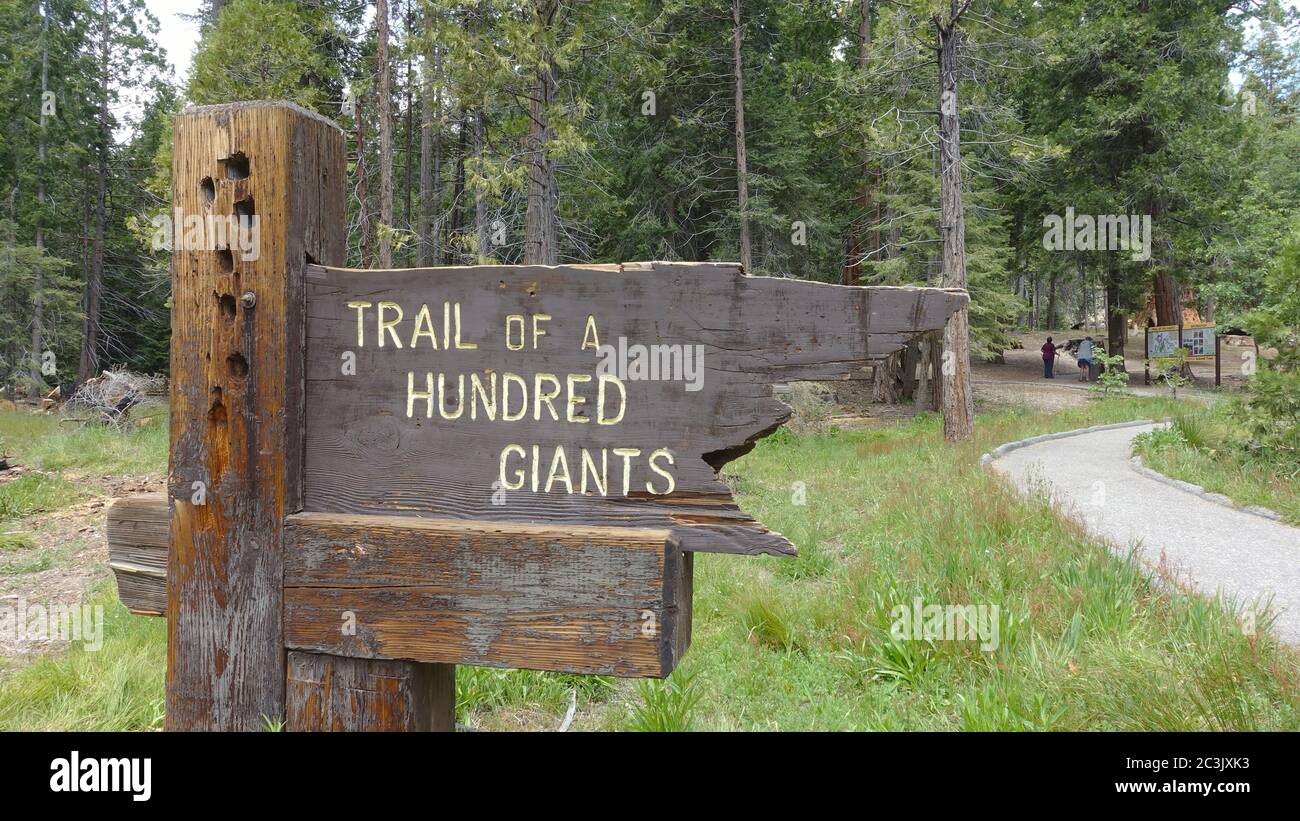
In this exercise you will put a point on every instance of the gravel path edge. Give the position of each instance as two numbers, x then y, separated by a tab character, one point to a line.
1002	450
1135	464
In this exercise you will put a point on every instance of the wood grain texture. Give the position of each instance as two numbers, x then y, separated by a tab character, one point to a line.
610	601
366	455
236	399
334	694
137	533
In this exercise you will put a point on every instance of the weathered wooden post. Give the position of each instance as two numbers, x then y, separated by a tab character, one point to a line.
376	475
238	316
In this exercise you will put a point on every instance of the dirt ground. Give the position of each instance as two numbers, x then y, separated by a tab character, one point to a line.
1018	380
70	555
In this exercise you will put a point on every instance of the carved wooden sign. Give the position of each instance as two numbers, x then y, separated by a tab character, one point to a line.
403	470
573	395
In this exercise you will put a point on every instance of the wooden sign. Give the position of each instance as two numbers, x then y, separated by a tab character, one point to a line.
574	395
387	473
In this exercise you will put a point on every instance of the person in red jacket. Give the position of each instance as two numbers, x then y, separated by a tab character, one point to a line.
1049	359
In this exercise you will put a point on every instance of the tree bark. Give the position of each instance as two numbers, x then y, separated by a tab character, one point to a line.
1168	299
1051	300
541	221
363	204
742	161
1085	304
891	185
384	114
435	204
480	195
89	365
430	230
886	379
427	255
860	248
957	394
1034	300
926	397
1116	322
38	298
458	192
936	364
912	358
407	217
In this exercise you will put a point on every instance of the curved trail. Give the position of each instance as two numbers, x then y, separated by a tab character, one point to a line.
1204	545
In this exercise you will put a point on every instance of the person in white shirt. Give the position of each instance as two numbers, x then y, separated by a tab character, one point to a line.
1084	356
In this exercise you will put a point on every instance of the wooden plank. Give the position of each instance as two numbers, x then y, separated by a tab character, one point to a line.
606	601
137	532
236	397
369	450
336	694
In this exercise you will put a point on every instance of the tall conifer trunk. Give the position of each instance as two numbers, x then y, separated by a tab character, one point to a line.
958	400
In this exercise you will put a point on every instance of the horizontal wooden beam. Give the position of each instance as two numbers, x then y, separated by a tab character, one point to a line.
137	551
597	600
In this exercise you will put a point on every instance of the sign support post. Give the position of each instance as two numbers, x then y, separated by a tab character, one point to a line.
1218	370
1146	355
235	471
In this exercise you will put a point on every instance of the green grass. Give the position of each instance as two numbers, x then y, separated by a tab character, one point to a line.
36	493
483	691
1086	641
40	441
118	687
15	541
1198	448
27	556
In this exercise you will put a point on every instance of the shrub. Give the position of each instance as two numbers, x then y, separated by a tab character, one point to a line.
1171	371
1270	410
1113	376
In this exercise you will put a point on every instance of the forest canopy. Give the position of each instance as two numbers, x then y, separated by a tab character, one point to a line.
801	138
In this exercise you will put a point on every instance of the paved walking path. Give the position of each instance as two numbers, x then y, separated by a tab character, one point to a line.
1207	545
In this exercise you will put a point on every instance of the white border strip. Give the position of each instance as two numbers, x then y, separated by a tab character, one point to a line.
1003	450
1196	490
1135	463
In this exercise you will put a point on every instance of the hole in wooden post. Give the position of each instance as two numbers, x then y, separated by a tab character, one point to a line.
227	303
225	260
235	166
244	208
237	364
216	409
208	191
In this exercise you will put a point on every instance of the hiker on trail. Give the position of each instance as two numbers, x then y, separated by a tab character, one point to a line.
1083	355
1049	359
